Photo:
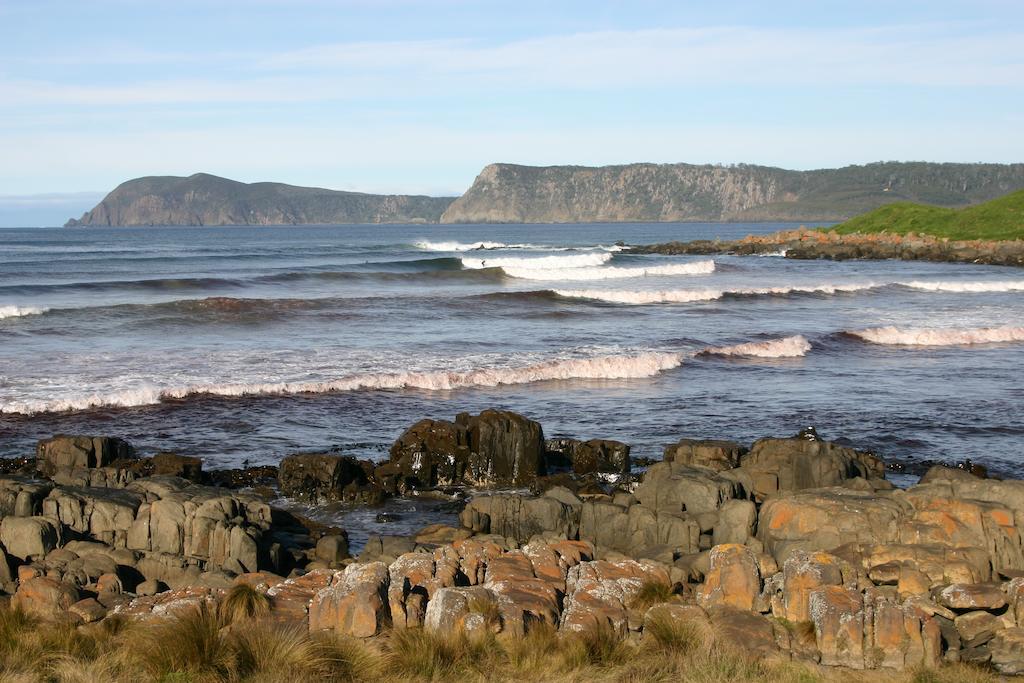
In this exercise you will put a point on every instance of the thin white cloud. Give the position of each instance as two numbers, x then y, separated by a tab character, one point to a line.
739	56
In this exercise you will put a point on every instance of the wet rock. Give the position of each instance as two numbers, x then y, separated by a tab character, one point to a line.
495	448
707	453
184	466
589	457
63	452
355	602
319	476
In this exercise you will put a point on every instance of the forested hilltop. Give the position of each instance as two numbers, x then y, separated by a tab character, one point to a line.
507	193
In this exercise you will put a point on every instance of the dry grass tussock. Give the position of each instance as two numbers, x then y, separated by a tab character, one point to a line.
229	643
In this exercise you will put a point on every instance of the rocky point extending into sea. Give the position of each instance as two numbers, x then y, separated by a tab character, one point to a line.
823	244
794	548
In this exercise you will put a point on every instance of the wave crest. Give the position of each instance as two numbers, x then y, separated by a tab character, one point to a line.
610	273
691	295
427	245
19	311
923	336
599	367
968	287
796	346
545	262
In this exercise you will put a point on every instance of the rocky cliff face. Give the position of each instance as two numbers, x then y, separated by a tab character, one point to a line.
507	193
203	199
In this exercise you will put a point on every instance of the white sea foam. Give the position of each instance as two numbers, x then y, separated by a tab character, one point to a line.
18	311
619	296
624	366
609	273
969	287
545	262
922	336
787	347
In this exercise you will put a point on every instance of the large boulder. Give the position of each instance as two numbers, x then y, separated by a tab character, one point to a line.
318	476
466	608
354	604
45	597
825	519
784	465
598	594
676	487
28	537
711	454
494	448
22	496
105	515
521	517
638	530
66	452
733	580
589	457
175	465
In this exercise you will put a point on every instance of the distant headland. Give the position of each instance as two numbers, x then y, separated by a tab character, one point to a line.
509	193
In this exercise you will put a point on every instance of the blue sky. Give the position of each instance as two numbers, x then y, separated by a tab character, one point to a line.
402	96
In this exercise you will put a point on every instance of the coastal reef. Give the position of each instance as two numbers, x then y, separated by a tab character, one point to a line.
791	551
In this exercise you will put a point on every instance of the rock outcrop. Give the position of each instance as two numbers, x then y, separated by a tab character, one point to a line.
494	448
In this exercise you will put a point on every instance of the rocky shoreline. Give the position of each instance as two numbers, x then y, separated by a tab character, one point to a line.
793	549
822	244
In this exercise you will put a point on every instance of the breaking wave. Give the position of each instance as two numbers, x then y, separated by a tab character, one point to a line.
970	287
691	295
922	336
426	245
600	367
19	311
609	273
545	262
787	347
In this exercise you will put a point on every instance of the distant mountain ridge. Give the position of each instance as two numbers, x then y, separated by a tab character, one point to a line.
508	193
204	199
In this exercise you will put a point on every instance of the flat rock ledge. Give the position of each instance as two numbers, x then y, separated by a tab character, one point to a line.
792	549
822	244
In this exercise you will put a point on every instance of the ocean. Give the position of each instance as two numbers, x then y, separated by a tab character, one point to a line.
245	344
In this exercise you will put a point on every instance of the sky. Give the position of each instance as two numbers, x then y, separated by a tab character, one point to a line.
417	96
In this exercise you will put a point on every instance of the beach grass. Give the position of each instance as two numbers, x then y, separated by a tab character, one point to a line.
196	645
999	219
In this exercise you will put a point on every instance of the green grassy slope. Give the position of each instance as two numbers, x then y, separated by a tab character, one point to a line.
999	219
